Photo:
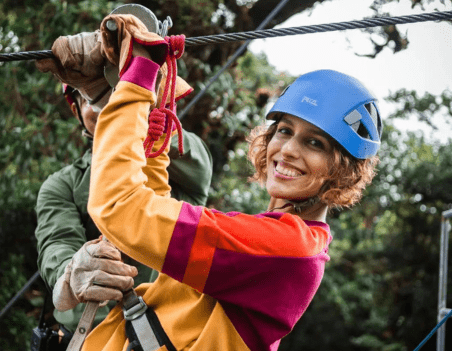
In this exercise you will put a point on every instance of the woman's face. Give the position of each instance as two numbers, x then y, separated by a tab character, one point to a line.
297	154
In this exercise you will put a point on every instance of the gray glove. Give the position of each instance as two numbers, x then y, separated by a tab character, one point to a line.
95	273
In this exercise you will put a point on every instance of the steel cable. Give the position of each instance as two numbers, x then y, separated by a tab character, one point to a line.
238	52
270	33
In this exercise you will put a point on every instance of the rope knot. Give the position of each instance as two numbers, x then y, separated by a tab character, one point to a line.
156	124
157	120
176	45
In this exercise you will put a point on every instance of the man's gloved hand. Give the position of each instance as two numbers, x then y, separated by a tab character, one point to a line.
95	273
79	63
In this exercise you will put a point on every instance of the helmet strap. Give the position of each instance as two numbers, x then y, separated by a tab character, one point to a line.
85	131
300	205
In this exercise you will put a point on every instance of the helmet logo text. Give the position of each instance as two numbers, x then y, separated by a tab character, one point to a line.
309	101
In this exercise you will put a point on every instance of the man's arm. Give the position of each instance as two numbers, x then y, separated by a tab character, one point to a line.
190	174
60	232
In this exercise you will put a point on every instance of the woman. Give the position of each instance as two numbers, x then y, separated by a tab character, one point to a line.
231	281
339	117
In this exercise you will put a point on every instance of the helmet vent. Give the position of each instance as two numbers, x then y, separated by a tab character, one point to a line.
354	120
362	131
373	112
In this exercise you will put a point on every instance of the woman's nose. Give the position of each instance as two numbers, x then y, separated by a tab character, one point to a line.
291	148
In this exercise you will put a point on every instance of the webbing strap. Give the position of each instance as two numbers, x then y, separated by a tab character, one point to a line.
134	309
84	326
145	334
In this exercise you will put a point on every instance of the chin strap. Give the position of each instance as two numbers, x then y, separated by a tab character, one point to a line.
299	206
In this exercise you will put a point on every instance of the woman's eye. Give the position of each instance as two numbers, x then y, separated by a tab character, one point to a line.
316	143
283	130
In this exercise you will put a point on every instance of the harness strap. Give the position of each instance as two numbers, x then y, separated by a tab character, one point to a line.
134	309
84	326
143	328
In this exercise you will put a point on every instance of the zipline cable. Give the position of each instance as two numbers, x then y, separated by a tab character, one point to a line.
433	331
239	51
270	33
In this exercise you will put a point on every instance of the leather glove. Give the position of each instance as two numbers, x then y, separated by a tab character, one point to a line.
79	63
95	273
119	47
182	87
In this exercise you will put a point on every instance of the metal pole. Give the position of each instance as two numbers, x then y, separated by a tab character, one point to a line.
19	294
442	284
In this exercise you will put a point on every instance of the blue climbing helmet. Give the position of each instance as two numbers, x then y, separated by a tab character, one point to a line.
339	105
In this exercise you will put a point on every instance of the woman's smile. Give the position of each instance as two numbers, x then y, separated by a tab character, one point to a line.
285	171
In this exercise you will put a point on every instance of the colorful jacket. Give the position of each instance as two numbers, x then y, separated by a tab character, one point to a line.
230	281
64	224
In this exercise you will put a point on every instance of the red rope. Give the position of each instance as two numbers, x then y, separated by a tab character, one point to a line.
162	115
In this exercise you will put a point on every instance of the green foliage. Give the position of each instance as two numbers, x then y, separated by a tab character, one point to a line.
240	98
234	192
424	108
16	326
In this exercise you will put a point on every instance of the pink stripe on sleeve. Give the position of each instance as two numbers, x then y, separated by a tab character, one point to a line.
179	249
142	72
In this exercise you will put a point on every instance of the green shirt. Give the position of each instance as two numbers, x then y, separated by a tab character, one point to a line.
64	224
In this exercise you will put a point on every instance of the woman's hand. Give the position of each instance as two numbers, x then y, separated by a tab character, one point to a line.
140	50
118	44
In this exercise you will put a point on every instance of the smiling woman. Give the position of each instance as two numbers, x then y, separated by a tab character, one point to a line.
224	285
320	152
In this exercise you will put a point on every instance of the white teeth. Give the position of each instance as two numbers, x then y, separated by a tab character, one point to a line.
286	171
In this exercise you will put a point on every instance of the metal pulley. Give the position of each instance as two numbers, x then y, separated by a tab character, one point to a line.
151	22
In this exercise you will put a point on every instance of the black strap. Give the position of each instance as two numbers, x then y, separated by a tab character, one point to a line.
100	96
67	336
159	332
42	323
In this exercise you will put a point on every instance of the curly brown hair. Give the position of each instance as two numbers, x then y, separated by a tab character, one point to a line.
347	179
